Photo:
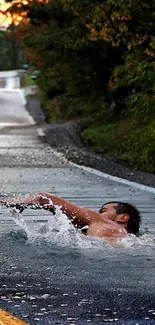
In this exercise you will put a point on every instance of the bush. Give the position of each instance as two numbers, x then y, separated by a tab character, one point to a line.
88	110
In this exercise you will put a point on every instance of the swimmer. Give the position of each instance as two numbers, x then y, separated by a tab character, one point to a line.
114	220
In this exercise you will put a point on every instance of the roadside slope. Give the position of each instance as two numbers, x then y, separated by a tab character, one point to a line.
65	138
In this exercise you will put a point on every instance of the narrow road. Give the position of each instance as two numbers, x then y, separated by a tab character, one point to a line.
50	273
11	112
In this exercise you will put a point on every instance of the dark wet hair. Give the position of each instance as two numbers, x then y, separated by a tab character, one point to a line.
134	215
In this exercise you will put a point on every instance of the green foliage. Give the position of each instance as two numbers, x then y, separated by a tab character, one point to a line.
85	109
141	147
127	141
11	54
26	80
108	138
141	106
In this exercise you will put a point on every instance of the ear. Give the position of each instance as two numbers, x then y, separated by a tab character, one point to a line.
122	218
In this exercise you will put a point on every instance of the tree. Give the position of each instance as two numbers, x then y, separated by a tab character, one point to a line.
90	51
5	51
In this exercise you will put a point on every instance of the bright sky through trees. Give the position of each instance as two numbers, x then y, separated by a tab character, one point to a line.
6	18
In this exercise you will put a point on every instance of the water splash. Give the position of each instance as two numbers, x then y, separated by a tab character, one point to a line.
19	220
143	242
58	231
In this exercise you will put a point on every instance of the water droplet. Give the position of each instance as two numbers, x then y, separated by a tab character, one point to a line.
64	305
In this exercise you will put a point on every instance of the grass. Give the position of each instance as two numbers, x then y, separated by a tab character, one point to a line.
27	80
125	140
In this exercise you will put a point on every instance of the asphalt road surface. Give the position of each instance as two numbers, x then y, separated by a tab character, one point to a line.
50	273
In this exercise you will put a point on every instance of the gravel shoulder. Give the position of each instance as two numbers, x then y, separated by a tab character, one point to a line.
65	137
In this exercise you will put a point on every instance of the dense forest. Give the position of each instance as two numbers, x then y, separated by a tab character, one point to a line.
96	63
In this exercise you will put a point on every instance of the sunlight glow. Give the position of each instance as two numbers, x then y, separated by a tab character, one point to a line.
6	18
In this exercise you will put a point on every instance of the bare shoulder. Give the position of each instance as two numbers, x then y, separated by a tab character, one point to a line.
106	230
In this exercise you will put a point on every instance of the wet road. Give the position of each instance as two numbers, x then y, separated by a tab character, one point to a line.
50	273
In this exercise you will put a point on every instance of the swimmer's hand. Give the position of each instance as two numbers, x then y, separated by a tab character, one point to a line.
17	206
21	206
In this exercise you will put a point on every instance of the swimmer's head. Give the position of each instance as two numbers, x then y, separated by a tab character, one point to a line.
123	213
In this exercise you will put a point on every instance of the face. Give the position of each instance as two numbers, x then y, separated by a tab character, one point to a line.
109	211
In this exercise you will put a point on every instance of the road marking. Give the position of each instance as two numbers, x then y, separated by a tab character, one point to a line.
2	125
41	132
8	319
9	90
105	175
115	178
22	96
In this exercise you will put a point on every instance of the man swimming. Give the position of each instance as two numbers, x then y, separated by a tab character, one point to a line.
113	221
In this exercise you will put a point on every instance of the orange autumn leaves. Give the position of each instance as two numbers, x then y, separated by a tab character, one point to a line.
8	16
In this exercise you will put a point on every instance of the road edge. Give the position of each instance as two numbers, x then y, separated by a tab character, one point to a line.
96	172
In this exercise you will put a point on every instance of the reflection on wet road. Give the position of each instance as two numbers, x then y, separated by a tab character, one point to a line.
52	274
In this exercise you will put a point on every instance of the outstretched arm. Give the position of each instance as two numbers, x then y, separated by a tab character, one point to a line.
78	215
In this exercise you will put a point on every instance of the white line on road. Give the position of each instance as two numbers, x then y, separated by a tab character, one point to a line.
22	96
40	132
9	89
99	173
2	125
115	178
